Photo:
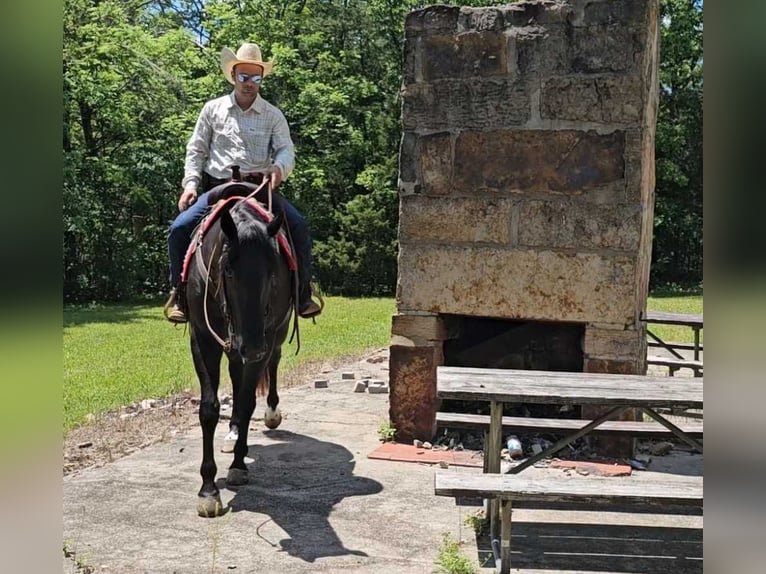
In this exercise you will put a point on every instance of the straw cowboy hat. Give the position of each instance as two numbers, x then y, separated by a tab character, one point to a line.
247	54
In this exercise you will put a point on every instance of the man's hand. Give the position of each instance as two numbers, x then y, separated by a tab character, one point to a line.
188	197
275	174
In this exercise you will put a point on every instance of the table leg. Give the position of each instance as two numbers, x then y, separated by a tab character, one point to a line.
672	428
696	343
614	413
494	440
667	347
505	537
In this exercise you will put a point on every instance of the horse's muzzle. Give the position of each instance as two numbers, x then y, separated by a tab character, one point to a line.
251	354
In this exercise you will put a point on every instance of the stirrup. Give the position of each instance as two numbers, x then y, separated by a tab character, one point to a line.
172	311
315	309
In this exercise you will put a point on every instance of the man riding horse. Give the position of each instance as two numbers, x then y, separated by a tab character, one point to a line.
239	129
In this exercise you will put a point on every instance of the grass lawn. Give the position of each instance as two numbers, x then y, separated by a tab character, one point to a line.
676	304
118	354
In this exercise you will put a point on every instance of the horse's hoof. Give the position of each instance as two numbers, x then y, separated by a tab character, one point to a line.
209	506
237	477
229	442
272	418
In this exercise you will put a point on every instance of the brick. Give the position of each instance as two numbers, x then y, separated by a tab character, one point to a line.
593	468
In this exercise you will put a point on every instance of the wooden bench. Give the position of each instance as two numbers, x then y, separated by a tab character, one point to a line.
677	361
687	491
531	424
674	364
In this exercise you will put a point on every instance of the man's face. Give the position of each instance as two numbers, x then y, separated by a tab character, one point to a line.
247	79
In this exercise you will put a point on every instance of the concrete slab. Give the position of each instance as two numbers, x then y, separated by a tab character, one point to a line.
317	503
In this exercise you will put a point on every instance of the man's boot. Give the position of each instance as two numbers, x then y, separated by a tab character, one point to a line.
307	307
172	311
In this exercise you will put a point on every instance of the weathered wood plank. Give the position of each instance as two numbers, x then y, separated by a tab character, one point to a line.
673	362
686	491
666	318
533	424
510	385
673	345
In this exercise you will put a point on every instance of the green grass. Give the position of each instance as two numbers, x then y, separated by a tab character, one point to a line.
675	304
118	354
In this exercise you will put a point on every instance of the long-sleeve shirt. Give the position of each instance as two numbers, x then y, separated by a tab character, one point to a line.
226	135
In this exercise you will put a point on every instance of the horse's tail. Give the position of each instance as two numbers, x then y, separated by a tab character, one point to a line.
263	384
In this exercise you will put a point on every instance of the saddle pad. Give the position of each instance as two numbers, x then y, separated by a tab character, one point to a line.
207	222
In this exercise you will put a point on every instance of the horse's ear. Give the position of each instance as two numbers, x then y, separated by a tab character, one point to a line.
273	227
228	226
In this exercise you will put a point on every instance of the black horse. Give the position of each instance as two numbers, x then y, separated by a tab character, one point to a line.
239	301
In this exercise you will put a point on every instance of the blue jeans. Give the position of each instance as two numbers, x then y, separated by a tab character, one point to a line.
179	237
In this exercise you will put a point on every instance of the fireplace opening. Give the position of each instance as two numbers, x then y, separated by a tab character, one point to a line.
513	344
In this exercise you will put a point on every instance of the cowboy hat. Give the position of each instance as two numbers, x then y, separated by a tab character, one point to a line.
247	54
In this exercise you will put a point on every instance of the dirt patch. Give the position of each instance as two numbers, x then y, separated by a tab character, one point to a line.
128	429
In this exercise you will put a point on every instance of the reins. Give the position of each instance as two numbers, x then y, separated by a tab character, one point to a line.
226	344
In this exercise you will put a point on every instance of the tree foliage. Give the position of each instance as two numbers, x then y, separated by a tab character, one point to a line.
137	72
677	248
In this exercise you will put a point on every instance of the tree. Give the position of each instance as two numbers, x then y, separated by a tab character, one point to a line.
677	249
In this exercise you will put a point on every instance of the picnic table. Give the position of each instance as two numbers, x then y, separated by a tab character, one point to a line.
694	322
616	391
620	392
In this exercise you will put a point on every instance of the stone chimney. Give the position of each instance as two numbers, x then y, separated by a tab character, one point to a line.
526	182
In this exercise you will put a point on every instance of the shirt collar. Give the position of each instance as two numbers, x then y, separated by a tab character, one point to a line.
256	106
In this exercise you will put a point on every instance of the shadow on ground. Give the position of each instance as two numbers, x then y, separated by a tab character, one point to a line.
282	474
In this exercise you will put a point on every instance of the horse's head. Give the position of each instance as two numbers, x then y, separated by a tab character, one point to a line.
249	264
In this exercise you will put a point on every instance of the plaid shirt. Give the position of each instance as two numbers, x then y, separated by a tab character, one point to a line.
226	135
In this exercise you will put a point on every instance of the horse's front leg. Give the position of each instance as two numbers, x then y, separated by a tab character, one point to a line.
273	416
243	379
207	362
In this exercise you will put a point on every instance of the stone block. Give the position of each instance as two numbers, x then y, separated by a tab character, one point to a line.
566	161
598	49
605	99
435	160
451	220
466	104
480	19
412	387
419	327
617	344
517	284
526	14
610	446
407	157
433	19
464	55
540	51
576	225
619	12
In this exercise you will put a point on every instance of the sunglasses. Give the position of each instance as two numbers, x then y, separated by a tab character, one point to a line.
256	78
